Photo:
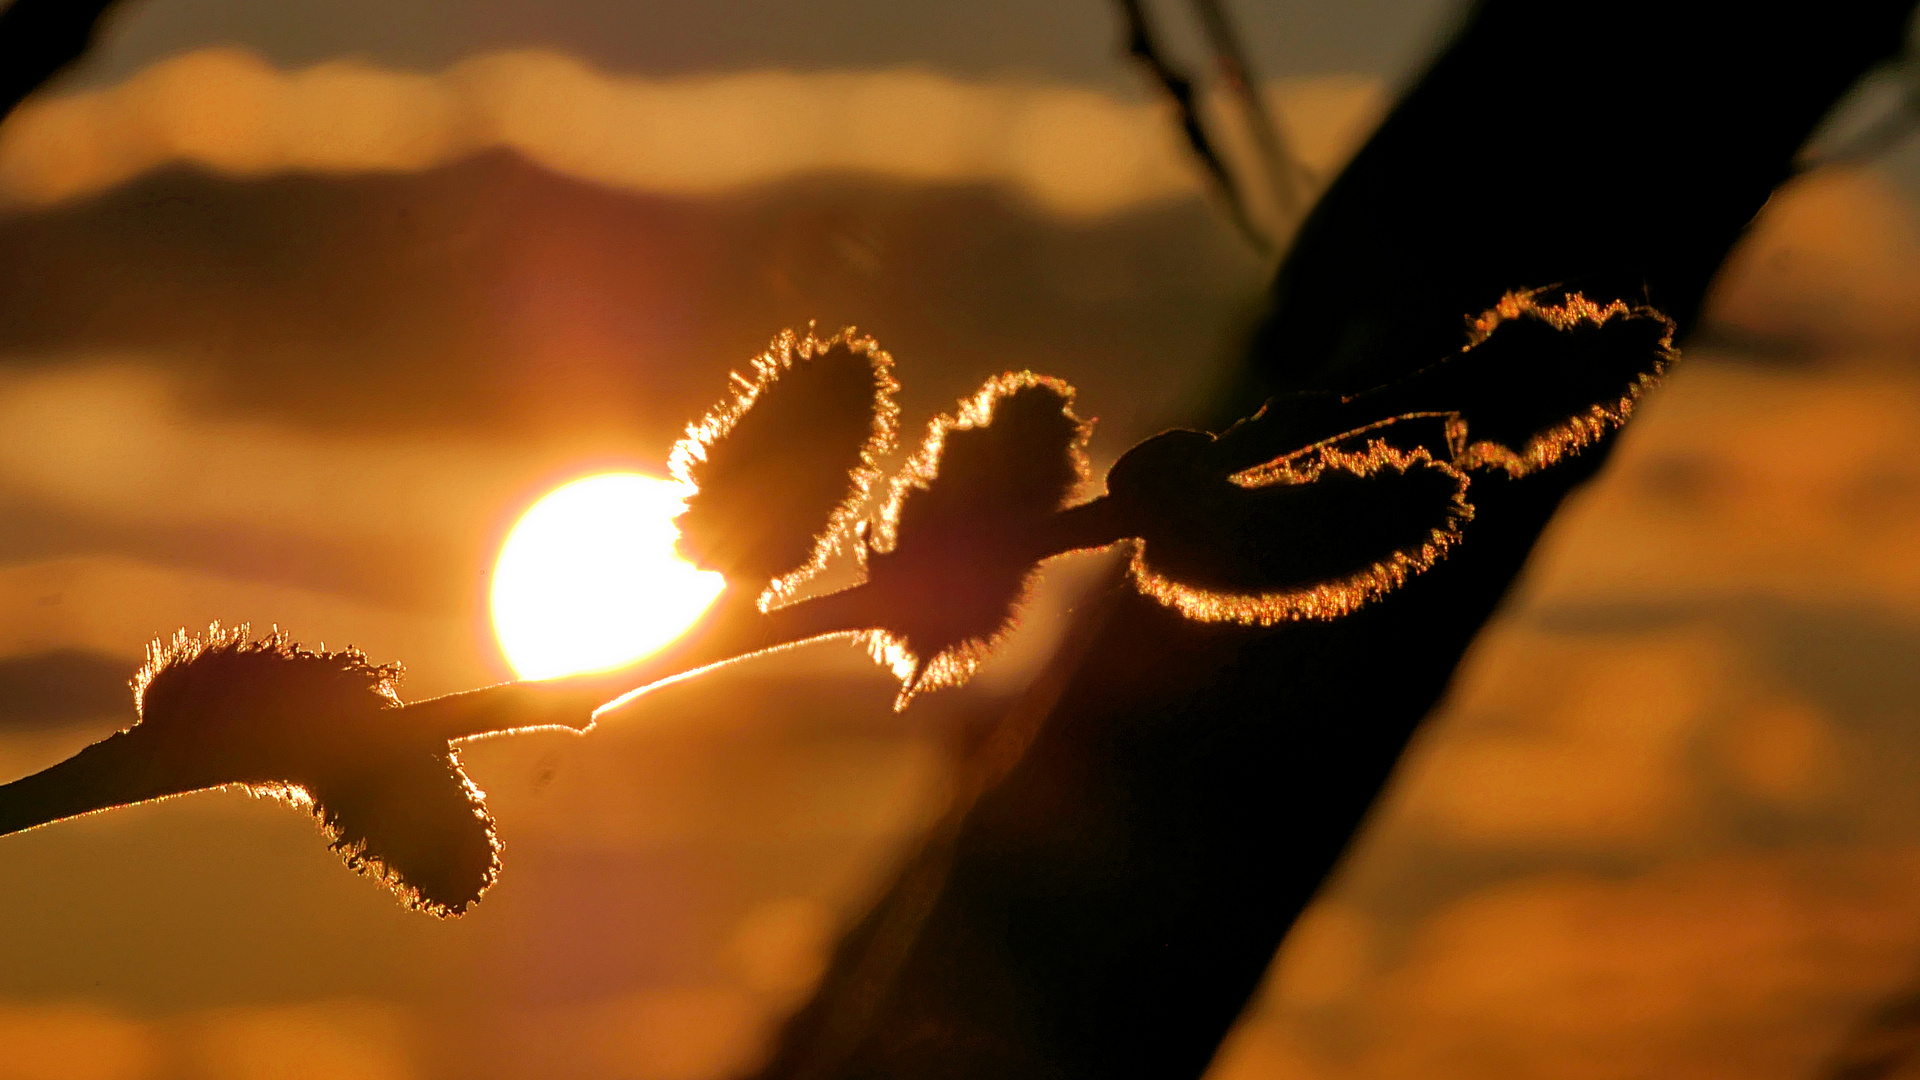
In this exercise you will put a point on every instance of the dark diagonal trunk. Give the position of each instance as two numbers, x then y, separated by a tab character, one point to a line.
1106	906
39	38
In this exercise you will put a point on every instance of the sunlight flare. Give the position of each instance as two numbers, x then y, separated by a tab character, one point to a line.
588	579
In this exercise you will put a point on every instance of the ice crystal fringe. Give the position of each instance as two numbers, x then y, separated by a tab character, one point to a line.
779	471
1336	597
1585	427
187	670
960	523
321	731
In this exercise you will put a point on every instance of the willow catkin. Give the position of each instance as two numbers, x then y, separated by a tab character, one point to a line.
322	731
781	468
959	538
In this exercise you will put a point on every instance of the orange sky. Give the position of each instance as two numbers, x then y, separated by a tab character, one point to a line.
1663	826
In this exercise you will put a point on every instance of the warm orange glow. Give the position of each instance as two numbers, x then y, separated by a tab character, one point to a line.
1066	149
1327	599
1585	428
588	580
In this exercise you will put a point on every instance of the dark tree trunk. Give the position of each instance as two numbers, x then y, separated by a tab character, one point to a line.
1107	904
39	38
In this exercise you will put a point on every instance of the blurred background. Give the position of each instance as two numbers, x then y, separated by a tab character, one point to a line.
302	303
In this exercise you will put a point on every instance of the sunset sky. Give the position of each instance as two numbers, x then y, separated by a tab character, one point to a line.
302	303
1072	42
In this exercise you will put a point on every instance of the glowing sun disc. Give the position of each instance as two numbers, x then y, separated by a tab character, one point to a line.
588	579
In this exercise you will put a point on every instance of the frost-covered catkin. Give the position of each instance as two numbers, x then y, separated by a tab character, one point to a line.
961	535
1540	382
1315	534
782	467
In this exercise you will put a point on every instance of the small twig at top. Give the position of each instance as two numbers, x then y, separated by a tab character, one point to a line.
1886	132
1289	177
1142	46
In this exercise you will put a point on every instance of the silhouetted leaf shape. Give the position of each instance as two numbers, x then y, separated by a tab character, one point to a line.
320	730
414	822
1535	383
782	468
1311	535
1539	382
323	730
962	533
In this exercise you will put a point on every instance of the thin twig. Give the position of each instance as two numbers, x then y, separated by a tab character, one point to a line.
1288	176
1142	47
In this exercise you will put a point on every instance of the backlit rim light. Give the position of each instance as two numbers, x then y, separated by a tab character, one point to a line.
588	579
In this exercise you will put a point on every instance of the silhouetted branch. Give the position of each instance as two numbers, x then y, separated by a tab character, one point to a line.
1144	829
323	731
1323	528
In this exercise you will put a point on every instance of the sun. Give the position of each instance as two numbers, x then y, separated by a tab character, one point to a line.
588	579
